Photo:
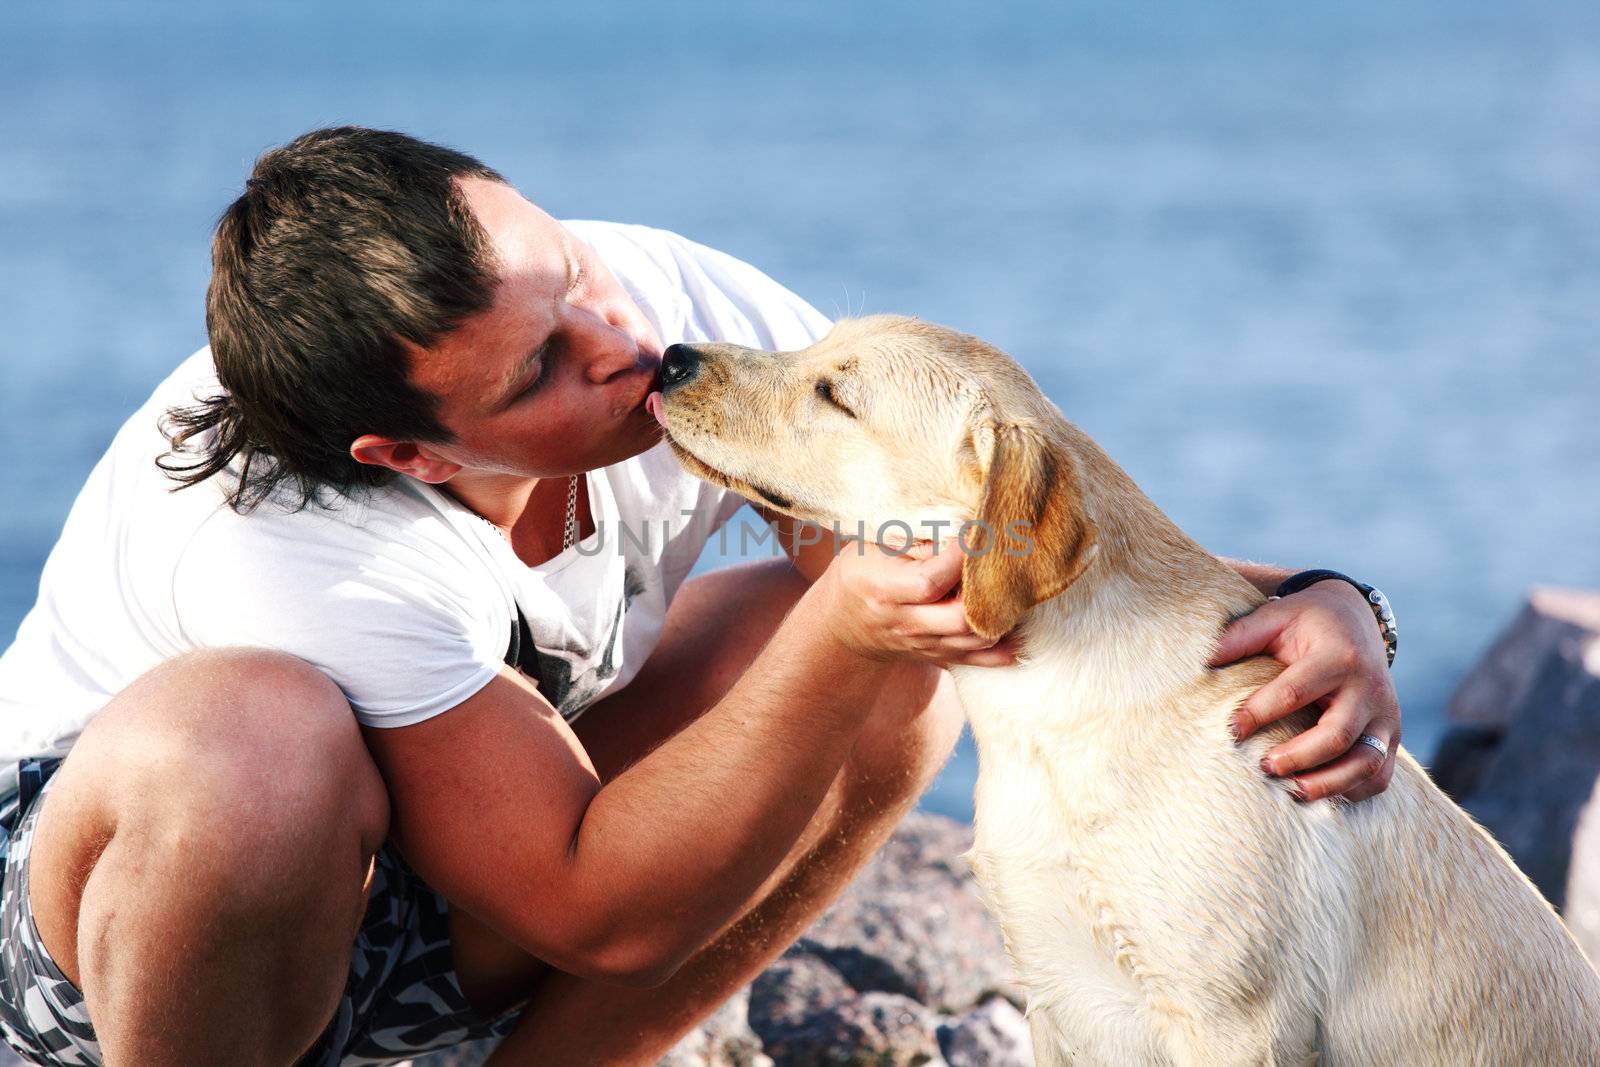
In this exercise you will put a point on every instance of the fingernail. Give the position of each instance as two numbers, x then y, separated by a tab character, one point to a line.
1298	792
1267	768
1236	728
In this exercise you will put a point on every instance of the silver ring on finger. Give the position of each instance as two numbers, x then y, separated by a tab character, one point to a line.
1375	743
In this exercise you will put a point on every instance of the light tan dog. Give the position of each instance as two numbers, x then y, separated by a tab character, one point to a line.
1163	900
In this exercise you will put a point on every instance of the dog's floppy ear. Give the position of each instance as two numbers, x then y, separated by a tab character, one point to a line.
1033	535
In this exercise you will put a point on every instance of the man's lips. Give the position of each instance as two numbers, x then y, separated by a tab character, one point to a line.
652	403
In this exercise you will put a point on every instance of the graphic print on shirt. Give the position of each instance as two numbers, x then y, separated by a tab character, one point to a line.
571	678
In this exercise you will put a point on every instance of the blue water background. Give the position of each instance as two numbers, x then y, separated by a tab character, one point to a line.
1324	278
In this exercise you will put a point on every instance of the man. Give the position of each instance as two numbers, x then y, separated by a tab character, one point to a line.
580	800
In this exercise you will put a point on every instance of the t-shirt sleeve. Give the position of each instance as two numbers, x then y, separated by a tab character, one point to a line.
403	633
696	293
737	303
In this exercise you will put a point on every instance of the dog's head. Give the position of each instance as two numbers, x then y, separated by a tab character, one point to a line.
895	426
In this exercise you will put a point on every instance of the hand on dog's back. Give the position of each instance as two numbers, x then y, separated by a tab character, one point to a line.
888	603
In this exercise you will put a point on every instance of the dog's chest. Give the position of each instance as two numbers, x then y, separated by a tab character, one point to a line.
1047	879
1073	815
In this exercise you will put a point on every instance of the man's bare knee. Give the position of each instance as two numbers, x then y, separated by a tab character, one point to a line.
238	726
241	772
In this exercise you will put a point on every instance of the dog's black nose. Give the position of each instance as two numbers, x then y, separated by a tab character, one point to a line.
679	363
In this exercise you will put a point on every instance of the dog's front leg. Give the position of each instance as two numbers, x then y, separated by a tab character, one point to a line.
1108	1041
1242	1038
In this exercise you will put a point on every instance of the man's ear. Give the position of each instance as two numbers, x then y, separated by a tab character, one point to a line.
407	457
1033	536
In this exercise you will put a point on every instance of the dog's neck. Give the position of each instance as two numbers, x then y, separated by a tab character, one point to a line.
1142	621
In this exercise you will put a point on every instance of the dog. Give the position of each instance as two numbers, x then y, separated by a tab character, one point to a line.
1163	901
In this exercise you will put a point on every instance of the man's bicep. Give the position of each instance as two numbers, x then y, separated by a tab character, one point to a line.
485	800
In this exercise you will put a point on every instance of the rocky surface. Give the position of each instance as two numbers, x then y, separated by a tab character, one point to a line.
1524	752
905	969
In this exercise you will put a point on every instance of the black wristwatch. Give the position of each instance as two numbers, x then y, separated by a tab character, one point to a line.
1376	600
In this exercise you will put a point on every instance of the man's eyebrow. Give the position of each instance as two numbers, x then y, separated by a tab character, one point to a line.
574	271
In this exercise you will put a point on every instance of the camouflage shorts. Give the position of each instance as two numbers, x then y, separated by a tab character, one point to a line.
401	998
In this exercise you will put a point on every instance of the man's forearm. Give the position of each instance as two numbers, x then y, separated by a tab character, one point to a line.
1264	576
702	820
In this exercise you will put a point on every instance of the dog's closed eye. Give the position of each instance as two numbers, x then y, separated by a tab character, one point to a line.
825	391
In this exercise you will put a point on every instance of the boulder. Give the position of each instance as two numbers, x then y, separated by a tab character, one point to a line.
870	1030
913	923
994	1034
1523	755
789	992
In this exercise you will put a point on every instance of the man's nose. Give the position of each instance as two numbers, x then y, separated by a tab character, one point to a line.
679	363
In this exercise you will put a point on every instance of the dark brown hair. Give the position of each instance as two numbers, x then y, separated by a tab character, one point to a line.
345	243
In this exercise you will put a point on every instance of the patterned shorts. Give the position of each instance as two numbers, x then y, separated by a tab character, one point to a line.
401	998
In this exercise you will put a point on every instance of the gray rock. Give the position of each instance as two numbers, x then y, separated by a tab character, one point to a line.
1500	685
1501	681
1526	754
789	992
913	924
994	1034
871	1030
1461	758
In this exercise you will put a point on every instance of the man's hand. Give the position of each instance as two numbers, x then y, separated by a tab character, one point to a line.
1334	657
884	604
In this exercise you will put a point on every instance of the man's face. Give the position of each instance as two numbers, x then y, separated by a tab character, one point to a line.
552	378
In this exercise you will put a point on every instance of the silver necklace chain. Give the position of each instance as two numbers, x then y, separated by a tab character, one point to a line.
569	533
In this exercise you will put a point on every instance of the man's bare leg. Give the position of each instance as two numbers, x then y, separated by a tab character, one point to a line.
199	864
715	627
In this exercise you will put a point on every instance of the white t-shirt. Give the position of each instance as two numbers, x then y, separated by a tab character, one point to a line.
406	599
